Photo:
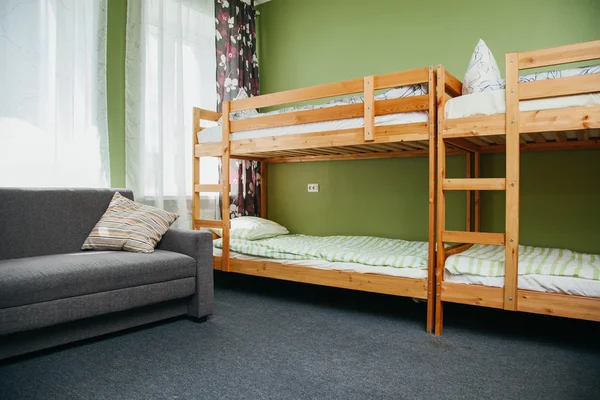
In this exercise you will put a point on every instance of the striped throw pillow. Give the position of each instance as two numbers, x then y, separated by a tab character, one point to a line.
253	228
130	226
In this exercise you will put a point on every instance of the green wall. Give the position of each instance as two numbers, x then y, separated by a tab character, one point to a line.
115	86
308	42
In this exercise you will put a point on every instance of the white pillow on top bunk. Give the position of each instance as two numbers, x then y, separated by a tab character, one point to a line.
483	73
253	228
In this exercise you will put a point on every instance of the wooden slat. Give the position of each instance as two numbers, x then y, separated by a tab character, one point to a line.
457	248
473	237
474	126
563	119
513	157
559	55
298	117
401	132
475	184
496	139
560	136
208	150
419	145
356	156
570	145
563	305
375	283
537	137
403	78
463	144
207	188
476	295
369	109
453	86
208	115
401	105
478	142
208	223
296	95
559	87
582	135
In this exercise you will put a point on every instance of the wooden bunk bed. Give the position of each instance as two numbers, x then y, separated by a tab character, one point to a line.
513	132
370	141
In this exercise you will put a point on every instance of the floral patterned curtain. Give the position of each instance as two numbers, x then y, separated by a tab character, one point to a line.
245	180
237	62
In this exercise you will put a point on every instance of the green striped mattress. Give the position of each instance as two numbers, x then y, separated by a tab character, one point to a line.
352	249
488	260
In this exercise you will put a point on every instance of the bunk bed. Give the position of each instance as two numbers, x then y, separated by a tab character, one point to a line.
529	115
379	125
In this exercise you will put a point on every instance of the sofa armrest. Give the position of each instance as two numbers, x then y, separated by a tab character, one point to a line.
199	246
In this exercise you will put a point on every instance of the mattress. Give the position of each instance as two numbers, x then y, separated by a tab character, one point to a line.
337	266
493	102
536	283
540	269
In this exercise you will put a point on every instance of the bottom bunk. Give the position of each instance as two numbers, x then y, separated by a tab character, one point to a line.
369	264
551	281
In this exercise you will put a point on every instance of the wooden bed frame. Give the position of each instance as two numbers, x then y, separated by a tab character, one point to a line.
390	141
513	133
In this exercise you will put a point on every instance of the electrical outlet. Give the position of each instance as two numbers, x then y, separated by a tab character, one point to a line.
313	187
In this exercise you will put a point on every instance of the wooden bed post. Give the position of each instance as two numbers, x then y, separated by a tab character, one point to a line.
469	199
477	216
226	186
263	189
432	211
369	108
196	167
511	268
441	200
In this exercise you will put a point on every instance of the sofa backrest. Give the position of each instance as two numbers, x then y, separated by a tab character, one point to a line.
35	222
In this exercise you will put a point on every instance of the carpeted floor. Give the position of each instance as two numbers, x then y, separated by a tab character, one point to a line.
280	340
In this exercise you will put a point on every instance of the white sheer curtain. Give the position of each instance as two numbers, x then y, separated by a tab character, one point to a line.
53	122
170	69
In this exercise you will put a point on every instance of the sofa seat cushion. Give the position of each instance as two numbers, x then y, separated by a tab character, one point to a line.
44	278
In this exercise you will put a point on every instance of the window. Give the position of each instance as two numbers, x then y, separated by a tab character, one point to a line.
53	124
176	40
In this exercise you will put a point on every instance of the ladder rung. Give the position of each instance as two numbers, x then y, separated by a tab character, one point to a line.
475	184
208	223
473	237
208	188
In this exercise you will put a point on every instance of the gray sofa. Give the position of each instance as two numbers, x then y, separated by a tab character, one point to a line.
53	293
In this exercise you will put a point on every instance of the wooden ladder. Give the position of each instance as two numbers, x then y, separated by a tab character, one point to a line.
223	187
473	182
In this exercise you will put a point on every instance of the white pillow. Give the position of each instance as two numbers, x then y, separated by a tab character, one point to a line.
253	228
483	73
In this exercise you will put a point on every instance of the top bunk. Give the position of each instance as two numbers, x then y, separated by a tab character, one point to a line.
385	116
550	109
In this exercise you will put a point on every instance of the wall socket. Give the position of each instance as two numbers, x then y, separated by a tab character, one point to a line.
313	187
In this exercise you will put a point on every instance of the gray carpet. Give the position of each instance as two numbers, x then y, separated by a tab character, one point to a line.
280	340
